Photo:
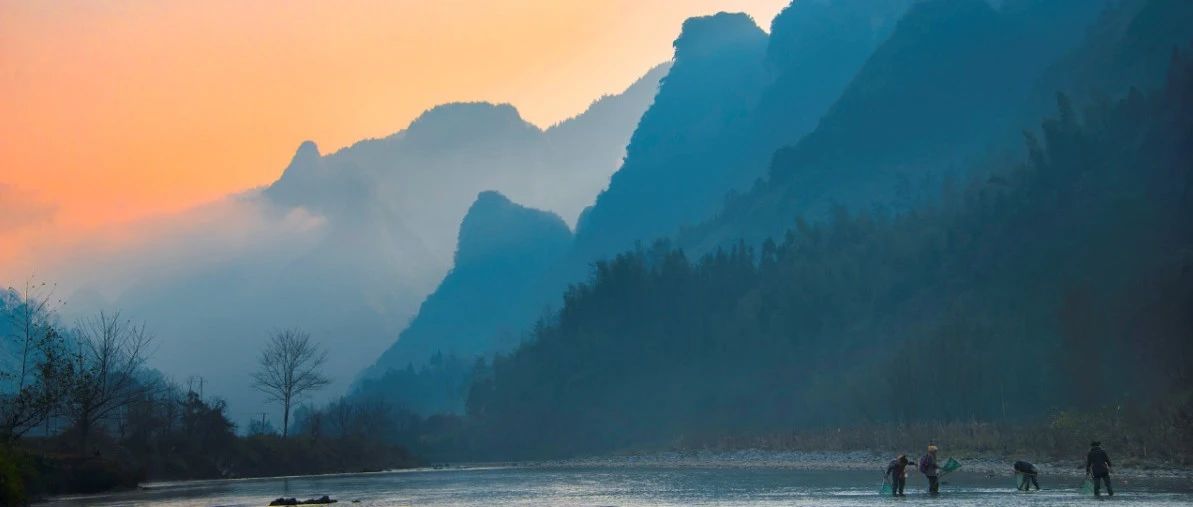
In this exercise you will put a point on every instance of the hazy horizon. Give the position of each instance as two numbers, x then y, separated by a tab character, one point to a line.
175	227
125	111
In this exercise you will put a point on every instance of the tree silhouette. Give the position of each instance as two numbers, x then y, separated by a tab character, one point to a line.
289	367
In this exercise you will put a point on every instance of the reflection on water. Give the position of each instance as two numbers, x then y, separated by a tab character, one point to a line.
601	486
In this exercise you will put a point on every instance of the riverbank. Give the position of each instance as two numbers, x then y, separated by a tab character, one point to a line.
42	468
986	464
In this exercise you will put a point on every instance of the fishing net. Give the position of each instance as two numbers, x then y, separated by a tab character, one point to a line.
886	488
950	466
1087	487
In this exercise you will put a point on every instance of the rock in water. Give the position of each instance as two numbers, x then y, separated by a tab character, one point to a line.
310	501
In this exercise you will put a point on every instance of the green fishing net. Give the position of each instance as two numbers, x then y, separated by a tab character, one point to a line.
950	465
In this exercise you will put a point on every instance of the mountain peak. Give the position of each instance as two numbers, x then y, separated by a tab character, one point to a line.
306	152
494	224
298	173
708	35
304	160
466	118
489	200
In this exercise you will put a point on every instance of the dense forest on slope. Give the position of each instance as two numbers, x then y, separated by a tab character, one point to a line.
1063	282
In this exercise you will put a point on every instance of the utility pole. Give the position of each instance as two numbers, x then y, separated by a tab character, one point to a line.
262	427
195	379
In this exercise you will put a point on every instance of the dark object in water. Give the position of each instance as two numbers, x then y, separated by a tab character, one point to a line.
310	501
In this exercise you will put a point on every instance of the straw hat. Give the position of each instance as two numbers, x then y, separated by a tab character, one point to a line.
932	448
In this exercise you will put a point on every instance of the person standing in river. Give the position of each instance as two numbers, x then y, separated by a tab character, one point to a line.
930	470
897	471
1097	465
1029	472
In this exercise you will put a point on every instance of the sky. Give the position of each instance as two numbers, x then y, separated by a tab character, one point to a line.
119	111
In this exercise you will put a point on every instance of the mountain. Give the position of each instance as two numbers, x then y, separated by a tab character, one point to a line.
763	334
1130	45
707	47
453	151
677	157
733	97
730	97
1054	291
346	245
951	85
609	121
816	47
503	247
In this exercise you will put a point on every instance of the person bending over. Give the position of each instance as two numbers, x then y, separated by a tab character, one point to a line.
897	471
1029	472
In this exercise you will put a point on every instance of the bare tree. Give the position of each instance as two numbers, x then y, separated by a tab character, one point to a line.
289	367
33	385
110	354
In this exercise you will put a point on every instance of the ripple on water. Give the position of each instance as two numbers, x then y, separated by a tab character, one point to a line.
629	487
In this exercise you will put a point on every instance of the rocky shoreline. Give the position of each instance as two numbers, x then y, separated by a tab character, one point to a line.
842	460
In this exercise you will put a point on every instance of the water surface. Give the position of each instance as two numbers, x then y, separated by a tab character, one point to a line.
633	486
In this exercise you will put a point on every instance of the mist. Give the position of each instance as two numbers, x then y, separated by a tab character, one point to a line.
344	245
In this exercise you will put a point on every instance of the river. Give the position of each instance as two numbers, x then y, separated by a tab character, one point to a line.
631	486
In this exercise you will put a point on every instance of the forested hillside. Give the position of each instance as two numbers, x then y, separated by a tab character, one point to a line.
926	252
502	249
1063	282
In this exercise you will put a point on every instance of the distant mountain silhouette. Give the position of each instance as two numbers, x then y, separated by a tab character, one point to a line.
731	97
350	243
503	247
433	169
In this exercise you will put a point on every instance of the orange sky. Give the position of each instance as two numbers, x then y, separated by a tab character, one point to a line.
114	111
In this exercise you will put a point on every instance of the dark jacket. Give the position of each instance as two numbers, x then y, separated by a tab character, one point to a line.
896	468
928	465
1024	467
1097	462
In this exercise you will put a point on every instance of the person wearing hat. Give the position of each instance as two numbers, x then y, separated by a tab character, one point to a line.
1029	472
930	470
897	471
1097	465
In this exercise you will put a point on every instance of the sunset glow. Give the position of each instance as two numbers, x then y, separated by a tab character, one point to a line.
115	111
